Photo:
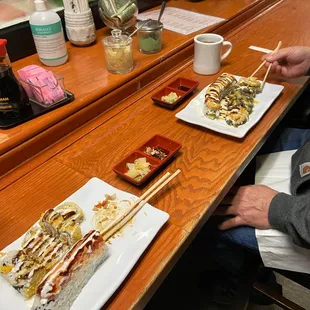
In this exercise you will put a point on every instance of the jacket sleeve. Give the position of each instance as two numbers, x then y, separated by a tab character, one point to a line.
291	215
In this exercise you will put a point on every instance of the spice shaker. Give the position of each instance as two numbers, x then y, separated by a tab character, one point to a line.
150	37
118	52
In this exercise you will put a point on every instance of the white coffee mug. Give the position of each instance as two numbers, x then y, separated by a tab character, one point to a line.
208	53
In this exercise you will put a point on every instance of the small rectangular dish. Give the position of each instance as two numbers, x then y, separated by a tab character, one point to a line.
175	92
147	159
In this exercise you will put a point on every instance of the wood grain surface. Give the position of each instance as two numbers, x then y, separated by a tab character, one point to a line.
210	162
22	204
86	76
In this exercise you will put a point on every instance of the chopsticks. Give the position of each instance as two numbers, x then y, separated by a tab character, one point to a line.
264	62
138	204
269	67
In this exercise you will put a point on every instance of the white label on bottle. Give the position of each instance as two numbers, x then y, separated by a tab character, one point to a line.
49	41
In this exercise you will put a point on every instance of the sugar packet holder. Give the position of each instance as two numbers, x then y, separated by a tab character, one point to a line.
46	88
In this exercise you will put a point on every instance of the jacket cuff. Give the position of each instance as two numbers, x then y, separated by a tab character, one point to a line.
279	208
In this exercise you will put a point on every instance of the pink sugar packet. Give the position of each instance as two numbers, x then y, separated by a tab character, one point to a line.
26	73
42	85
30	70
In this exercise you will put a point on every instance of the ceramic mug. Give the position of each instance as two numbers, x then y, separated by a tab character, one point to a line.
208	53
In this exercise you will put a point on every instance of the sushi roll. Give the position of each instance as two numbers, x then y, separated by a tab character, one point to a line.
237	117
251	83
216	92
213	109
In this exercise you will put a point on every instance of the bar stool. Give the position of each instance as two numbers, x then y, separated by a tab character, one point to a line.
278	299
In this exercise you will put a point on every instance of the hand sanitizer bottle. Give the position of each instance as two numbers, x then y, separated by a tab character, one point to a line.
48	35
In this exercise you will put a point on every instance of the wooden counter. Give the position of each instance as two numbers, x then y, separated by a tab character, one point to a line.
96	90
210	162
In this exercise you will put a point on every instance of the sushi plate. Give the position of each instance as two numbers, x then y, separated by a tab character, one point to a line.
193	112
124	249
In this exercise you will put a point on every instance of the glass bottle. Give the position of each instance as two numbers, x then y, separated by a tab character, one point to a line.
118	52
13	98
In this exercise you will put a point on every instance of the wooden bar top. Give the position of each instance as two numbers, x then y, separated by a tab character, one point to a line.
86	76
210	162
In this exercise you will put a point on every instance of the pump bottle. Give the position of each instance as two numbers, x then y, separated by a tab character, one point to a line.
48	35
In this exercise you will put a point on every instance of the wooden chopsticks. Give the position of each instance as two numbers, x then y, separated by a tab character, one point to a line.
269	67
138	204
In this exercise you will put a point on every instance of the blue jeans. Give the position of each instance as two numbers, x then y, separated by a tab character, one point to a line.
231	245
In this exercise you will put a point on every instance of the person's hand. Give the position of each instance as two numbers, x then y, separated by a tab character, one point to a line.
8	12
249	206
290	62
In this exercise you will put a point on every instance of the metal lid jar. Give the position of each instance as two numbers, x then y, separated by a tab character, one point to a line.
118	52
150	36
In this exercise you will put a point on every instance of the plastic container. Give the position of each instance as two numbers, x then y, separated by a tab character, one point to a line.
48	35
118	52
39	94
150	37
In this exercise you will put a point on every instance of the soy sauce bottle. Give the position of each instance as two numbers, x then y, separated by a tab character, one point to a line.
14	101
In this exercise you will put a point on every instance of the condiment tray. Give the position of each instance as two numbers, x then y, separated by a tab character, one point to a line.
166	145
181	86
34	111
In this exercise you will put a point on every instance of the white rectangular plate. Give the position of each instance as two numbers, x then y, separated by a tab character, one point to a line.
193	112
124	250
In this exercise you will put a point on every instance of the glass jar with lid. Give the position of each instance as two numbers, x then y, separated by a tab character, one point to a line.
118	52
150	36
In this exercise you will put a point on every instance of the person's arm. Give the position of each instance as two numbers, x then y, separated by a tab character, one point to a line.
290	62
291	215
261	207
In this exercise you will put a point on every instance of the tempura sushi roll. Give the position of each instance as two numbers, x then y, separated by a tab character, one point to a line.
216	92
248	104
237	117
212	109
252	83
